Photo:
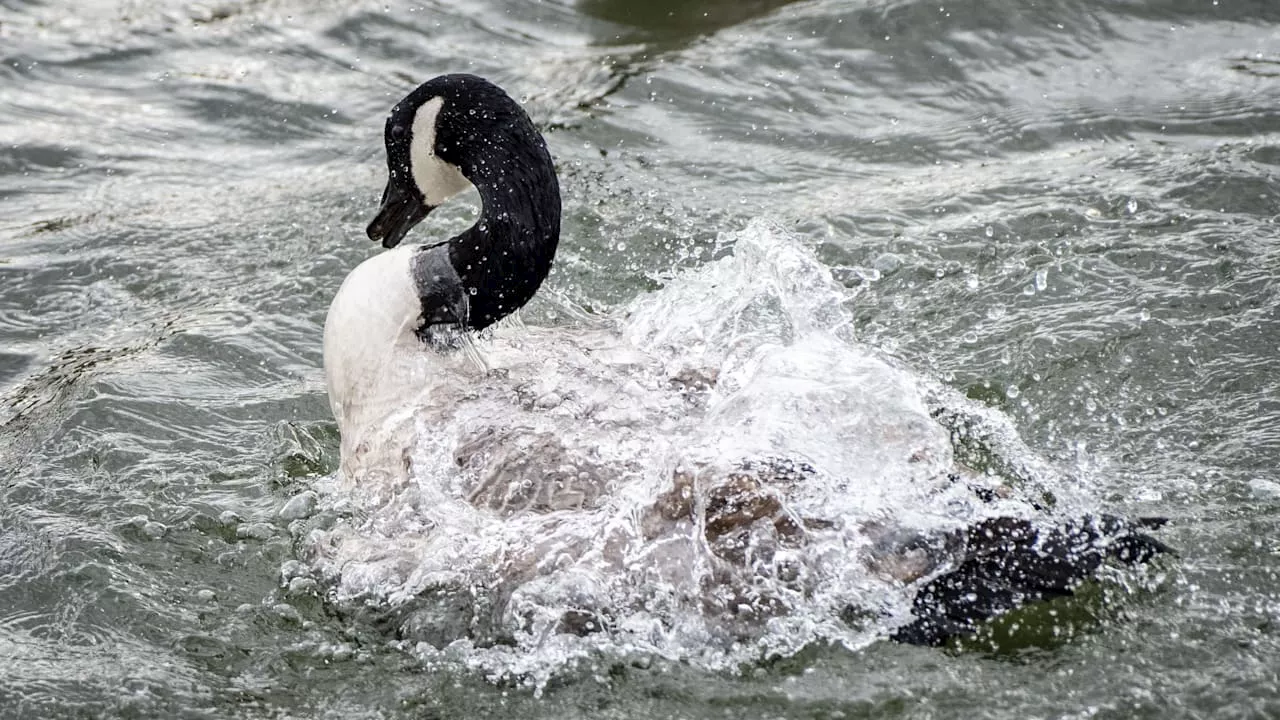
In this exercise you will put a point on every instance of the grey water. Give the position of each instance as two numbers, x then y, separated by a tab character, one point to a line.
1065	210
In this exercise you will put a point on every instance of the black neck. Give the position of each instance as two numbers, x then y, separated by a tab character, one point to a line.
505	256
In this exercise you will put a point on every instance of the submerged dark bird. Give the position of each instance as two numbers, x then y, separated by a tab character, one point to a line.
405	316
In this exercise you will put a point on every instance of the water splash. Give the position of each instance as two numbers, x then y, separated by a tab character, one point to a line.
717	475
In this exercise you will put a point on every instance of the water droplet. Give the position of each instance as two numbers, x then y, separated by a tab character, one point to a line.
989	231
888	262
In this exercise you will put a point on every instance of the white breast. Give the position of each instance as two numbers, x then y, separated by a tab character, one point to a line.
368	334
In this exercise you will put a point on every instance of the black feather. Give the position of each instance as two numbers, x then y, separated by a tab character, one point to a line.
1010	562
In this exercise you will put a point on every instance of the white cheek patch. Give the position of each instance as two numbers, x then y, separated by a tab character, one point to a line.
436	179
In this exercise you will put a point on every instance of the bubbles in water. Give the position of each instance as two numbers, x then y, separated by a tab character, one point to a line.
888	262
867	274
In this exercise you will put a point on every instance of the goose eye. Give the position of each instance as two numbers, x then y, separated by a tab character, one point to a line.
397	132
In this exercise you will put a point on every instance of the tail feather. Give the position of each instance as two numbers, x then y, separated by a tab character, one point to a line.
1010	562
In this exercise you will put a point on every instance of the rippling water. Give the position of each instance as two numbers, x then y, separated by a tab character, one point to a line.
1065	210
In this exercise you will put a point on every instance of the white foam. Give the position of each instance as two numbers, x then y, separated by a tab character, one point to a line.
719	474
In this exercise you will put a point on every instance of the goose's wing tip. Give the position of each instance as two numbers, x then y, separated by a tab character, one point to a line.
1010	562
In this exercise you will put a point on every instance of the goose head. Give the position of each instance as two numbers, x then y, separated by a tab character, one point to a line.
451	133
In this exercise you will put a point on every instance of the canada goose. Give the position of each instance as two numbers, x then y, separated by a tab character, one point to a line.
531	456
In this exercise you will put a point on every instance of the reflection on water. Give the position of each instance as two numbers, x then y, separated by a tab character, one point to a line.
1067	211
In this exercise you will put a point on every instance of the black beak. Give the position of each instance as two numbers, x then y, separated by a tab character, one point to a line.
402	208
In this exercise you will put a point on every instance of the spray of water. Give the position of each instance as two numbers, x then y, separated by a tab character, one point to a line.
719	473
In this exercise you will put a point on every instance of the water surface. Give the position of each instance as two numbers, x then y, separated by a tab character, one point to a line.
1067	211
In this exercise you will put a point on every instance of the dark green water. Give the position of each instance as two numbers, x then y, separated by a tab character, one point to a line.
1066	209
